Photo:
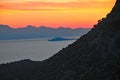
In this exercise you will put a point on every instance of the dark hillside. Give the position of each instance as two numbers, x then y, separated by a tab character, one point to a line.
95	56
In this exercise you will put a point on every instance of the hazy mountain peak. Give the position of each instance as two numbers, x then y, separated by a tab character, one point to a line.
95	56
30	31
4	26
30	26
43	27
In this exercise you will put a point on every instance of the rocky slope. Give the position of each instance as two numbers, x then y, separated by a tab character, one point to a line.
95	56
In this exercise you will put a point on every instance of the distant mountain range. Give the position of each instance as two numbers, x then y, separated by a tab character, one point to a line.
8	33
94	56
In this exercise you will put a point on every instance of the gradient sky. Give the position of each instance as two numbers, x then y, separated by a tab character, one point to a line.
53	13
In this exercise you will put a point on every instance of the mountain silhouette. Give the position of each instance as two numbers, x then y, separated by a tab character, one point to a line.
94	56
7	33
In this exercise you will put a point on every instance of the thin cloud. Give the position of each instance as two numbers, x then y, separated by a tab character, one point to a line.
56	5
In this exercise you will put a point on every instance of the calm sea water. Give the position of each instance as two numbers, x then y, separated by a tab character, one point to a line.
34	49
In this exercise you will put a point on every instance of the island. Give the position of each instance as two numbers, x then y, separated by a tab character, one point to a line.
61	39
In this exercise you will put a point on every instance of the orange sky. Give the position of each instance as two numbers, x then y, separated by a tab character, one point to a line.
53	13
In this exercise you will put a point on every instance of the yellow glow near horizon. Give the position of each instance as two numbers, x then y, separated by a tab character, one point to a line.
68	13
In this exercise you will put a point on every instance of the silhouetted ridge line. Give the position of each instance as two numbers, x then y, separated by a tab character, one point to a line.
7	33
95	56
115	11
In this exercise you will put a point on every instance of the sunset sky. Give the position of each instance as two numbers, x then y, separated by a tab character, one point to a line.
53	13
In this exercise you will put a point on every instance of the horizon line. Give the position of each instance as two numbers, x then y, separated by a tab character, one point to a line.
43	26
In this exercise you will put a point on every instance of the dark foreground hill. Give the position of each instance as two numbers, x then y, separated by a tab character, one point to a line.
95	56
